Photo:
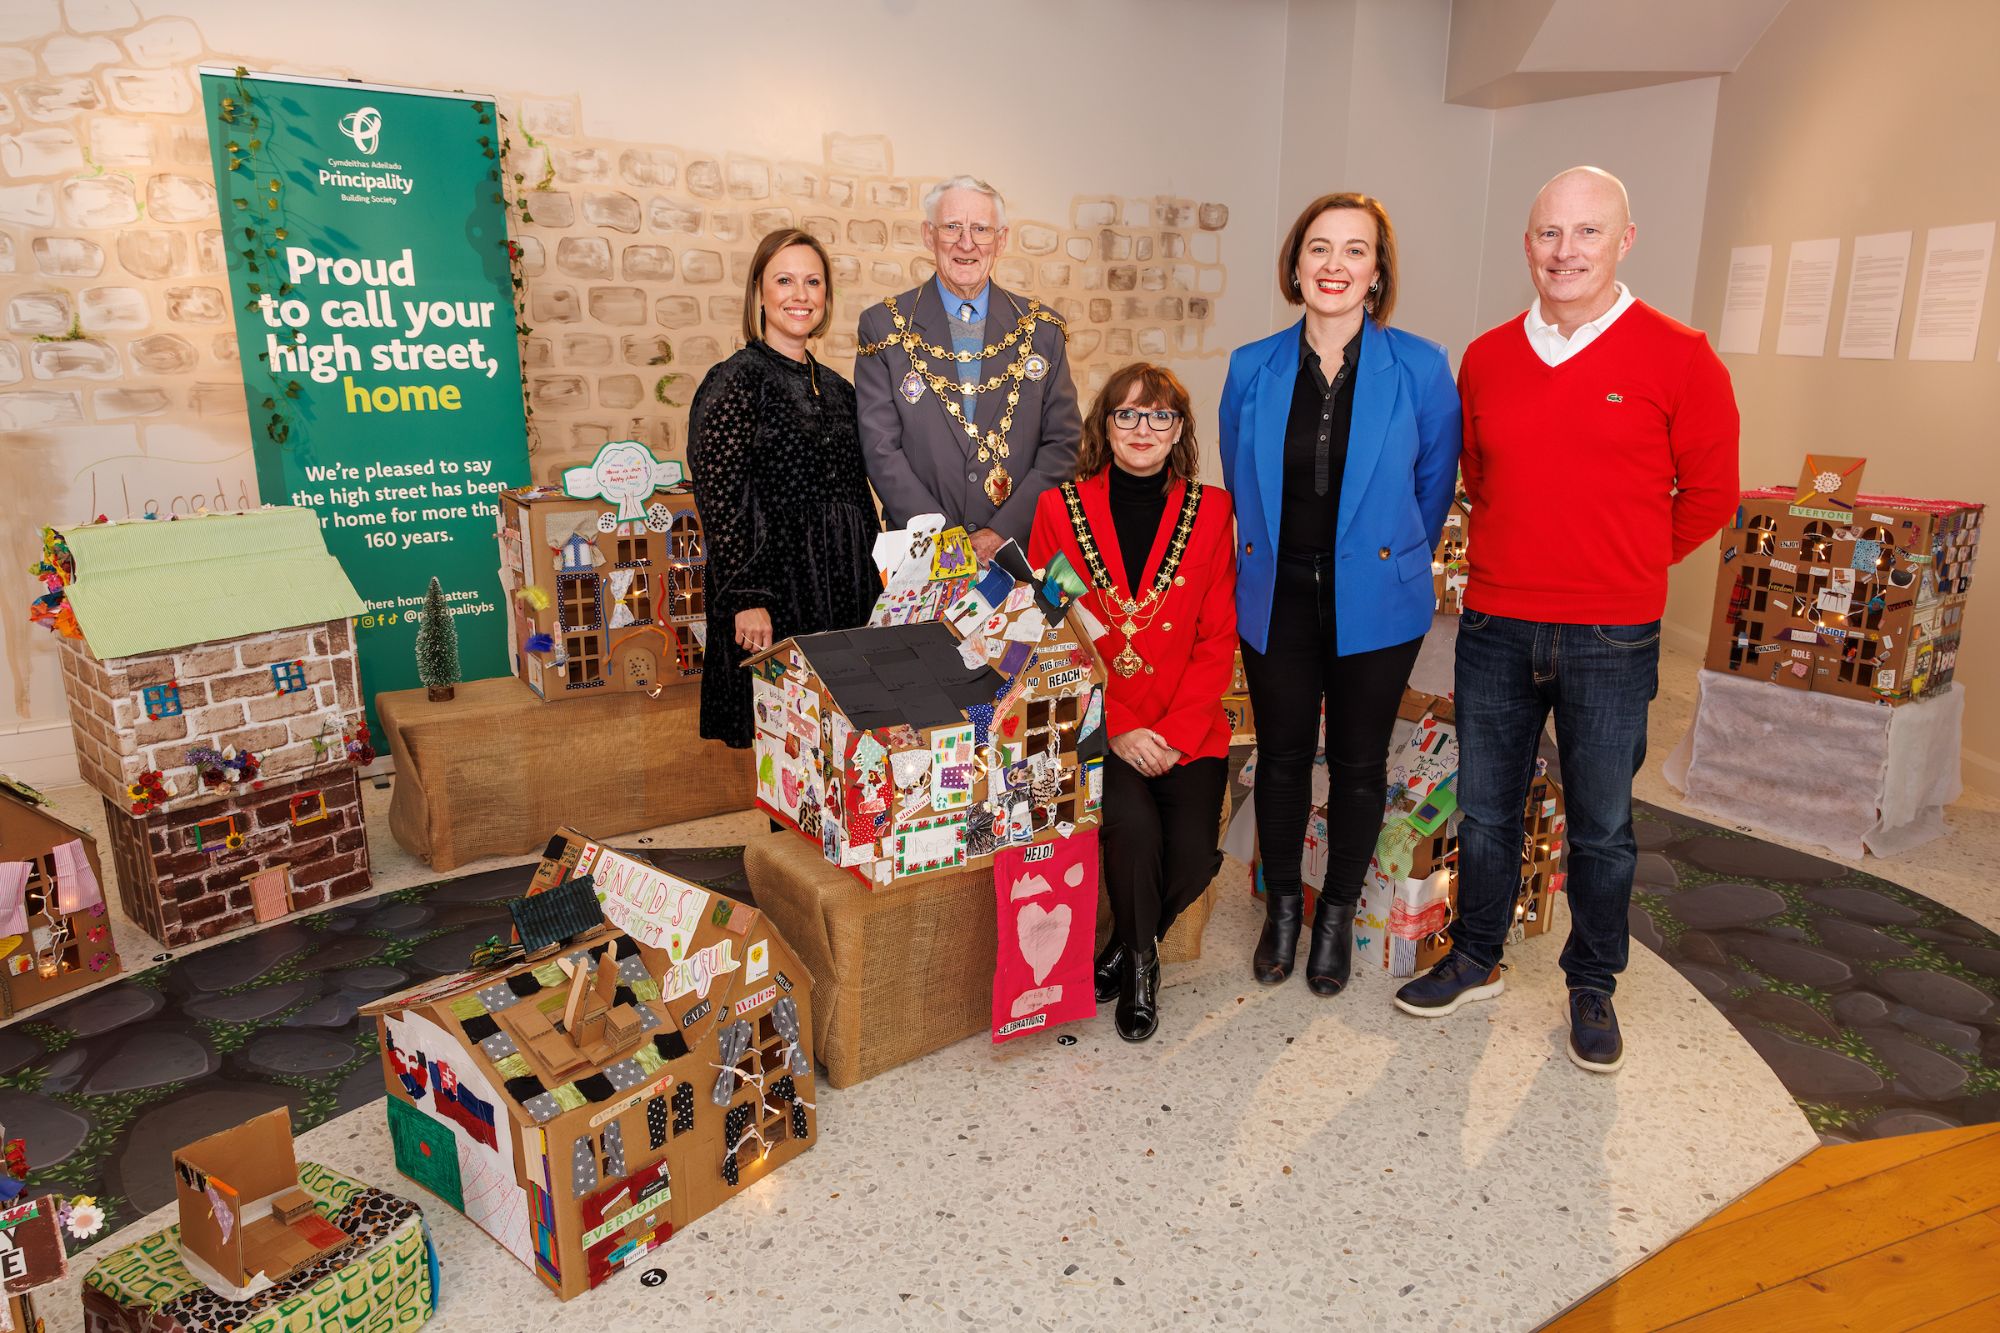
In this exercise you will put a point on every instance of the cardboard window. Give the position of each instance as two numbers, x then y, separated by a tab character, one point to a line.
577	601
288	677
632	551
162	700
586	667
308	807
214	834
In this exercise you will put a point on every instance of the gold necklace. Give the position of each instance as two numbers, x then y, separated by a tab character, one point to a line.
1028	363
1128	663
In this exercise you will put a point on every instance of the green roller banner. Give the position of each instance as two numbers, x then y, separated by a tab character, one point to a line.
367	251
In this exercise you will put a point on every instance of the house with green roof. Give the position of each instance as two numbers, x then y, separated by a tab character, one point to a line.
217	709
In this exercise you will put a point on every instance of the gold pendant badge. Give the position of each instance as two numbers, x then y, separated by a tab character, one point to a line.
998	484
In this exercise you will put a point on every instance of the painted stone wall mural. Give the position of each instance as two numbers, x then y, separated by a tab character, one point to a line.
119	386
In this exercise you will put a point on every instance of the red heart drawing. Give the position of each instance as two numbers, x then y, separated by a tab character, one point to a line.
1011	725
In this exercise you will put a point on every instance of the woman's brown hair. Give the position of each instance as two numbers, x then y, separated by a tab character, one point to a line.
1381	304
1158	387
753	298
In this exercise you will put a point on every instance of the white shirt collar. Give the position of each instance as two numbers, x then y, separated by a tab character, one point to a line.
1548	340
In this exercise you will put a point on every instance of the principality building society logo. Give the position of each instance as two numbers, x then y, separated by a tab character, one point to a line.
364	126
369	180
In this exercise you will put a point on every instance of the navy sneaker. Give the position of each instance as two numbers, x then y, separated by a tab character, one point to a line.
1445	987
1594	1043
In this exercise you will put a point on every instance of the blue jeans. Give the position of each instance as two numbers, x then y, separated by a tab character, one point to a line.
1598	681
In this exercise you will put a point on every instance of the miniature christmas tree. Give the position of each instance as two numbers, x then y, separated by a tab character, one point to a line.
437	646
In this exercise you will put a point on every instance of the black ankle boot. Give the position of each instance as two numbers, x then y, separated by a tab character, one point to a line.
1278	946
1331	958
1138	1012
1110	970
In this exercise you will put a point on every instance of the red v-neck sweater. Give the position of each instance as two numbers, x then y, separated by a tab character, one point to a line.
1590	479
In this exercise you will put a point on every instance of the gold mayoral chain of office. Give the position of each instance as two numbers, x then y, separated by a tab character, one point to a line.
1138	612
1027	364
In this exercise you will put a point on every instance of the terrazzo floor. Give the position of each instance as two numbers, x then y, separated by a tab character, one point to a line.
1270	1159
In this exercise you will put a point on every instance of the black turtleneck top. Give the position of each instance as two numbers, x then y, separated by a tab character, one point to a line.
1137	504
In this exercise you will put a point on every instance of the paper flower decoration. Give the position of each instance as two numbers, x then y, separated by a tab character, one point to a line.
81	1217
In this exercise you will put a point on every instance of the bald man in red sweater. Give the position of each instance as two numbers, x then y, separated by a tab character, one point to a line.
1600	448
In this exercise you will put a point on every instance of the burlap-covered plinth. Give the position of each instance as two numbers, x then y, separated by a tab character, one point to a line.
897	972
494	770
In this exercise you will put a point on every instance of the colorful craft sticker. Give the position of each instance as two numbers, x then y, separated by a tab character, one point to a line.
933	843
1046	902
1028	626
952	766
1093	780
757	962
968	610
910	766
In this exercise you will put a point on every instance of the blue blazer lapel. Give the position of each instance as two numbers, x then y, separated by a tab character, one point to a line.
1374	405
1275	382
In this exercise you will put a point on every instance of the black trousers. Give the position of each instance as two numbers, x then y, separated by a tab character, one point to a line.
1162	843
1297	669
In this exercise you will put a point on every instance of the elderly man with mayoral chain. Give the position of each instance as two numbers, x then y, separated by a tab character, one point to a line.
962	388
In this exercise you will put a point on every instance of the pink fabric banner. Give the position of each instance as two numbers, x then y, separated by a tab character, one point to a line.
13	893
1046	897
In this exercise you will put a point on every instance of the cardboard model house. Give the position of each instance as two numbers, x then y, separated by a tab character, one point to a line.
1451	563
919	745
244	1220
605	577
1823	588
213	693
640	1053
55	933
32	1255
1410	895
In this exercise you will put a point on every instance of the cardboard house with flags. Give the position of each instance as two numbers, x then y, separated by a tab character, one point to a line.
604	578
966	717
55	932
217	709
639	1051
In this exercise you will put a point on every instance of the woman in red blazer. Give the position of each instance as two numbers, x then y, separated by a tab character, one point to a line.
1158	549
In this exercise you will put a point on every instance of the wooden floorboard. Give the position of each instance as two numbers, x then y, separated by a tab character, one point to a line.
1825	1168
1983	1317
1890	1234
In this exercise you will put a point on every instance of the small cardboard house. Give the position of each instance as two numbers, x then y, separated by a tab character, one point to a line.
1410	895
244	1220
215	701
1451	563
55	933
604	580
638	1055
917	745
1822	588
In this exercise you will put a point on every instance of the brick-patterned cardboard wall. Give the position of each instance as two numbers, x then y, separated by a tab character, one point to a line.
227	698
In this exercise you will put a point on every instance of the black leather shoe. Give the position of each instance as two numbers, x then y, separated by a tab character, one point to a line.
1138	1012
1331	958
1278	946
1110	970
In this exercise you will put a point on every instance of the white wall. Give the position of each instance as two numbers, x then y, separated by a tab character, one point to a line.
1656	140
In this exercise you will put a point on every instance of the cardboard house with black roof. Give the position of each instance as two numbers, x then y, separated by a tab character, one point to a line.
55	931
923	746
638	1055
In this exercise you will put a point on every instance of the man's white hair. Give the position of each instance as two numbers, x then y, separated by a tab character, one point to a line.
935	196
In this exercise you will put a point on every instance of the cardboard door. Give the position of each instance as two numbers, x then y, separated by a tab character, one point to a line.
271	893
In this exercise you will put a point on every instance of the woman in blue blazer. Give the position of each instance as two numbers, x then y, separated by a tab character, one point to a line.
1340	440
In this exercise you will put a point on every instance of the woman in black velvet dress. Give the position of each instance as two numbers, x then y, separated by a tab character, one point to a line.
779	479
